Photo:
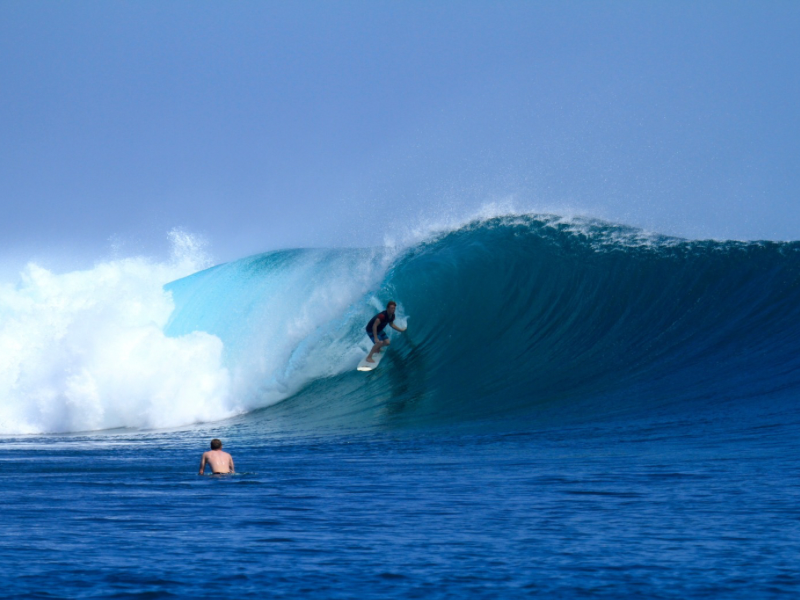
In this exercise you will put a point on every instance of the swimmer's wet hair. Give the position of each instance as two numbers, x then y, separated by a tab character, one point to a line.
391	303
216	444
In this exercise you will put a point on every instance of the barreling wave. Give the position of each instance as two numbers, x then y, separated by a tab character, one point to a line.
516	315
529	316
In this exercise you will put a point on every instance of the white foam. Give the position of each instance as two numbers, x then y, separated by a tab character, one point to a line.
85	350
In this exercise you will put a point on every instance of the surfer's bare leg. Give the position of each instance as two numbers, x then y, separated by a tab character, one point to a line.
376	349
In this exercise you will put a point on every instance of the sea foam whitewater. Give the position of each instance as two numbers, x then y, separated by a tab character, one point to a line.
86	350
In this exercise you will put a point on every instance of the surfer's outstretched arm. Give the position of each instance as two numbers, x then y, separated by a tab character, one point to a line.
396	328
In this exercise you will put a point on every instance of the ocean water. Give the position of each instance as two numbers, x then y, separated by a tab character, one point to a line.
577	410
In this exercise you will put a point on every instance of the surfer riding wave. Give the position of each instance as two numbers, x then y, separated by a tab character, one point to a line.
376	326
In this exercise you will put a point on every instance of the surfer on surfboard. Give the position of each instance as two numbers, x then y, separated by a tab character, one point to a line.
376	326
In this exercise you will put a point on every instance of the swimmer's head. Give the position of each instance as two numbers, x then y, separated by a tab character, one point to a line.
216	444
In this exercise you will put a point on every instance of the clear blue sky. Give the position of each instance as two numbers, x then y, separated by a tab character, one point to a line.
277	124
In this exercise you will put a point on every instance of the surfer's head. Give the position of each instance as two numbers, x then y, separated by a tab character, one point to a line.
390	306
216	444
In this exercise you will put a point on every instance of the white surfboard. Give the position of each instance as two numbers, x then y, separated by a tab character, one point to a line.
366	366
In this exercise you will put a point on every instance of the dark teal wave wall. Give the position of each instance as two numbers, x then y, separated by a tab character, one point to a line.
525	312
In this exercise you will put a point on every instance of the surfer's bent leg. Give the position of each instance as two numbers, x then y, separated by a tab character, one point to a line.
382	341
375	348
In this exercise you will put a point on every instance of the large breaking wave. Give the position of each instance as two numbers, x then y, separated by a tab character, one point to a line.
513	316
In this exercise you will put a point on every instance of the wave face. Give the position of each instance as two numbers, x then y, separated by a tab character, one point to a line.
583	318
529	317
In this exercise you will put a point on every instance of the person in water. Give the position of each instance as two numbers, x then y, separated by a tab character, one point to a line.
376	326
219	461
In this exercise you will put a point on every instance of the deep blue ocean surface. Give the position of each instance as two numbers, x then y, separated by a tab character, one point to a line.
577	410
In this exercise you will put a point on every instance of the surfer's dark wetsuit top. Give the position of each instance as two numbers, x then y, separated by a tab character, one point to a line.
383	320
